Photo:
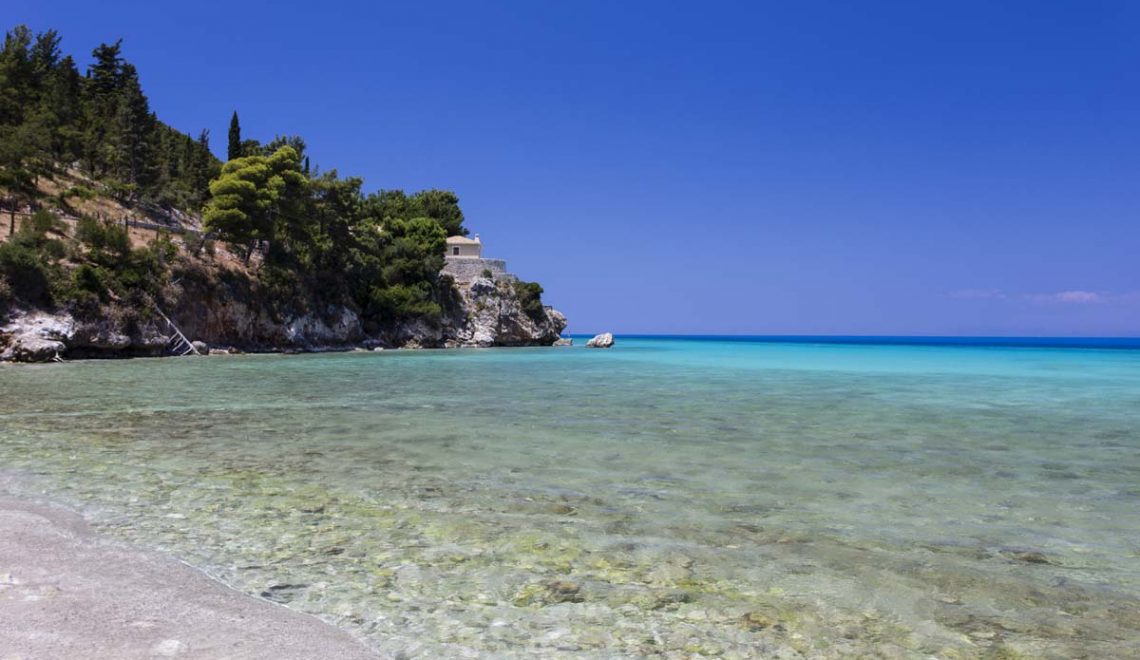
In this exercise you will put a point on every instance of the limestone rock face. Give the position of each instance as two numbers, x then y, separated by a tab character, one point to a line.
488	312
484	312
35	337
115	336
41	336
30	348
229	314
604	340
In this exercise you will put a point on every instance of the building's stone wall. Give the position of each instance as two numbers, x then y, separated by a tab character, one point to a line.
469	250
465	269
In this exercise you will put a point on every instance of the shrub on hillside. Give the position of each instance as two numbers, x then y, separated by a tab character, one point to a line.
25	273
107	241
89	231
530	299
28	262
5	298
44	222
82	192
88	280
404	301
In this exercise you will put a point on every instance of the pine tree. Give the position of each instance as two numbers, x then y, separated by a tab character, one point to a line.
104	80
107	71
16	76
136	148
202	169
63	102
45	54
234	150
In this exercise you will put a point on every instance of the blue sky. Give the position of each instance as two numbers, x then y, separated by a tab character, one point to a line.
711	167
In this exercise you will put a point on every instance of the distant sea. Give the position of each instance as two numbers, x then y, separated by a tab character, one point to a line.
684	496
905	340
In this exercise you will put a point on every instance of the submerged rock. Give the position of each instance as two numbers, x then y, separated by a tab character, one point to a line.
604	340
756	621
562	591
550	593
1026	556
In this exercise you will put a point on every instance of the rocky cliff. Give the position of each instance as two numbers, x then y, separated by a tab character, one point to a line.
481	313
484	312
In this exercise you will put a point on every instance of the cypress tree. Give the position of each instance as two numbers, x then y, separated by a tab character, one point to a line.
234	150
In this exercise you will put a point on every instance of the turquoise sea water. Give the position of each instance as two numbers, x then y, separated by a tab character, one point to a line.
668	497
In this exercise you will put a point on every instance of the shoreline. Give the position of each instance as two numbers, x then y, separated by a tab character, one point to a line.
231	352
66	591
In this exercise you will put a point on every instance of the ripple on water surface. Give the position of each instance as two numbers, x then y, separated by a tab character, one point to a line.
672	497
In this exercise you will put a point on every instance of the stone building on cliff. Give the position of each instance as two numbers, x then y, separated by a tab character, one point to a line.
464	261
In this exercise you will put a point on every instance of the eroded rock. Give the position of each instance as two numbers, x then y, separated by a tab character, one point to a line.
604	340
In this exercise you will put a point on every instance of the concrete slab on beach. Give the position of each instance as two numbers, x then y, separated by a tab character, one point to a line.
68	593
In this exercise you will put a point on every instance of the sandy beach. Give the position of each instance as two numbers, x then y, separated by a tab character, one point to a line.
65	592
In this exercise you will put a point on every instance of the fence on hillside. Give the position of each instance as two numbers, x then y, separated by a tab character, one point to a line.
10	227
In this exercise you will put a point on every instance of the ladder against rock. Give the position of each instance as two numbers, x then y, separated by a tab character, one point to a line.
179	344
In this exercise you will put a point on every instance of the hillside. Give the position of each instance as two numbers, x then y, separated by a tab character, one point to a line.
115	222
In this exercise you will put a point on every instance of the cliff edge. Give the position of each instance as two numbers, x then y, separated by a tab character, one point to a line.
228	318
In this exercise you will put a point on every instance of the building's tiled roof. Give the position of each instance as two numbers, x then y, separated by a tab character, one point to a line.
462	240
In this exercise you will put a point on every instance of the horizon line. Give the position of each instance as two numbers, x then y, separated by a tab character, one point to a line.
849	335
961	341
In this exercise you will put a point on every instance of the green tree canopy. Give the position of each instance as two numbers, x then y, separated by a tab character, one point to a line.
257	198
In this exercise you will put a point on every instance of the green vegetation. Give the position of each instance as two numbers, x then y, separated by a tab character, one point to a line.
52	118
233	149
47	268
530	297
305	239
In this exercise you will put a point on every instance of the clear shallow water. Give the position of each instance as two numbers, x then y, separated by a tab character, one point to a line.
670	497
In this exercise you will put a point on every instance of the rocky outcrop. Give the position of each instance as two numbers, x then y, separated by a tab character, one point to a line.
224	311
490	312
41	336
483	313
30	348
34	337
604	340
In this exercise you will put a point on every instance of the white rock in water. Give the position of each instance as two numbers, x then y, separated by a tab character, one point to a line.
604	340
563	341
29	348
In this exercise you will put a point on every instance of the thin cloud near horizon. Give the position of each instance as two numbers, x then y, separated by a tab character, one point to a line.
978	294
1066	297
1072	297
